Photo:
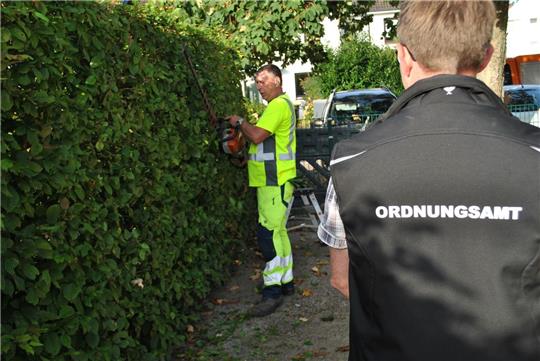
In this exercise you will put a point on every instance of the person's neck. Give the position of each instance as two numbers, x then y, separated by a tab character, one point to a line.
275	95
420	73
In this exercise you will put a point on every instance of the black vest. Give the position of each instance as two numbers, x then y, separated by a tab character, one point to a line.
441	206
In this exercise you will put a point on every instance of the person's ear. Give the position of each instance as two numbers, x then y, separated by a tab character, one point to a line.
487	58
405	60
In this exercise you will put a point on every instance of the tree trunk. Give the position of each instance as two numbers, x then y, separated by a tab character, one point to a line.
493	74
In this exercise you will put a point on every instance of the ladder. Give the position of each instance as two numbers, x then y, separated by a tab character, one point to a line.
310	206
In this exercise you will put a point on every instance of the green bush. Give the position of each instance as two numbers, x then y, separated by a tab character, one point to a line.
118	211
313	90
358	64
313	87
254	110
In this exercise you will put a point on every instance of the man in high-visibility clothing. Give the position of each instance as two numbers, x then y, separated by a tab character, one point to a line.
271	166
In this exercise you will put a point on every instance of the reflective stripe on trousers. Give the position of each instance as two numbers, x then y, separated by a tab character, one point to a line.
272	236
278	271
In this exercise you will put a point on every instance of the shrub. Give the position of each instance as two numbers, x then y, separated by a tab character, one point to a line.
358	64
313	88
254	110
118	211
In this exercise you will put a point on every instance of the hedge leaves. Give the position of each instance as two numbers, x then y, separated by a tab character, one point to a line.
118	211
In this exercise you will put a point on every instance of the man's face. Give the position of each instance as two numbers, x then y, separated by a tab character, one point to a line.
268	85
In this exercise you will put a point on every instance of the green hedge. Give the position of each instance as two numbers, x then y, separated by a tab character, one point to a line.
118	211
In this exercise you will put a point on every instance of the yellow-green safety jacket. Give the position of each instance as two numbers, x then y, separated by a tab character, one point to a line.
273	162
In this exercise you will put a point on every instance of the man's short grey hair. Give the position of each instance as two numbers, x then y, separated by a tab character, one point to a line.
271	68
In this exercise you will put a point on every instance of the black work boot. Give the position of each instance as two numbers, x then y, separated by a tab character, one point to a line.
265	307
287	289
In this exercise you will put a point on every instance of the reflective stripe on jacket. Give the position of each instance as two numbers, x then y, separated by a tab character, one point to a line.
264	167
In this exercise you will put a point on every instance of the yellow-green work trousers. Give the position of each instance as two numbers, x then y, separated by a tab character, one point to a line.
273	238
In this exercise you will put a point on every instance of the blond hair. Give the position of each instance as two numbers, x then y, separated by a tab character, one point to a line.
448	36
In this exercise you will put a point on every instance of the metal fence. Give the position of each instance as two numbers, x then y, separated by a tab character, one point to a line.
314	145
527	113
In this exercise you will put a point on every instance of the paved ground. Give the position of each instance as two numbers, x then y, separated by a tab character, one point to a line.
310	325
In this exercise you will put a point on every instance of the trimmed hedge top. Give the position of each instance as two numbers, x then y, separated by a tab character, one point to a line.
118	211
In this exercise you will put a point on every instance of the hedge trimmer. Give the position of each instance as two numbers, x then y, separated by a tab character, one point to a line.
232	141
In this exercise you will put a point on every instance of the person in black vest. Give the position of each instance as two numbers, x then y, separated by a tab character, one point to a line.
433	214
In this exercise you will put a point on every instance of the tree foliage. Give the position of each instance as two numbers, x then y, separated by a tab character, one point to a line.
313	87
118	214
268	31
358	64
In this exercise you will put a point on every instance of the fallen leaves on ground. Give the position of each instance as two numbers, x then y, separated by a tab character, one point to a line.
320	353
345	348
307	355
223	301
256	276
316	271
307	292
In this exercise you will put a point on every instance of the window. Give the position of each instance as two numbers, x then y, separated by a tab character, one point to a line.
523	96
359	106
298	79
389	33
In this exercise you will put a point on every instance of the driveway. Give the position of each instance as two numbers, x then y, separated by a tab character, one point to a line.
312	324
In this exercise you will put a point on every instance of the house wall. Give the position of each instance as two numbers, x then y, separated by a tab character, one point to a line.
523	28
376	28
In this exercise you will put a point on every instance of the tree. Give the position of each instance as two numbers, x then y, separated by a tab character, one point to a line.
359	64
493	74
269	31
289	30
